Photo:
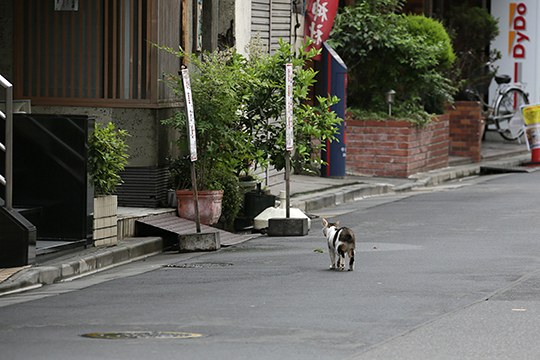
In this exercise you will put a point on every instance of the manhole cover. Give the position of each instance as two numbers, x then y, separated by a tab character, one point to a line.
141	335
199	265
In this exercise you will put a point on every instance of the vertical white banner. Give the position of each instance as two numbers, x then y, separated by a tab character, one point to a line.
190	115
289	132
518	32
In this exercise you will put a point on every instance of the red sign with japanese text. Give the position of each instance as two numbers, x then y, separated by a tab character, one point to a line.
320	16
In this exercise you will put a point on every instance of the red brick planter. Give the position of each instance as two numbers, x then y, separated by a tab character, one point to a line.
394	148
466	128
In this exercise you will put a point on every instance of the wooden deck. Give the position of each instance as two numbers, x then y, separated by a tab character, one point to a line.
174	225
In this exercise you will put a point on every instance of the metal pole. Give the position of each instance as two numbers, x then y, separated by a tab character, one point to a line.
287	184
190	125
9	148
195	197
9	141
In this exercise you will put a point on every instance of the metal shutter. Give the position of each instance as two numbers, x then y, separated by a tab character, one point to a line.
271	20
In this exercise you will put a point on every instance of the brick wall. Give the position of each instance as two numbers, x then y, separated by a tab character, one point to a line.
393	148
466	128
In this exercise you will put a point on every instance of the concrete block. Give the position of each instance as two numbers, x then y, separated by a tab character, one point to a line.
71	269
49	274
104	259
150	246
288	227
120	255
89	263
199	242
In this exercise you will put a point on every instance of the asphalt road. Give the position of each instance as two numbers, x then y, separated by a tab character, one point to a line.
446	273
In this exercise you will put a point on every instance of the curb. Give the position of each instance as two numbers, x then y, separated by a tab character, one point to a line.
99	259
352	193
339	196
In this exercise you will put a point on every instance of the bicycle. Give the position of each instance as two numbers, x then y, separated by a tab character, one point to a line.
506	104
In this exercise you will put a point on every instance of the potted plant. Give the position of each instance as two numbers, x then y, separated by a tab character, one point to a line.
107	153
238	106
216	100
219	195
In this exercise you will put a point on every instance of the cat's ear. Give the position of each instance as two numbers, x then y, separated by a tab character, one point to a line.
337	224
324	222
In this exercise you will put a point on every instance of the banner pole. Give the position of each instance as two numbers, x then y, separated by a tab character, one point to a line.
192	141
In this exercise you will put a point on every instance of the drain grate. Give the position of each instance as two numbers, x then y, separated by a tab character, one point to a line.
141	335
199	265
503	169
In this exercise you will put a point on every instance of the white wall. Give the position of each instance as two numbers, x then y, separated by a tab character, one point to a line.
517	42
242	25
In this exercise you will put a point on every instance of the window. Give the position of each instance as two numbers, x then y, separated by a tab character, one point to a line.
96	53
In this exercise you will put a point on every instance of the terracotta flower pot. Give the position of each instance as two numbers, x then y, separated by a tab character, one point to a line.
209	205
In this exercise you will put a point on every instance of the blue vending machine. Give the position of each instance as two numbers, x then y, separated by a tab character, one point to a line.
332	80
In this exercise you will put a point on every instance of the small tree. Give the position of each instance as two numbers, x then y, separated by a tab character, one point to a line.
239	104
215	81
264	105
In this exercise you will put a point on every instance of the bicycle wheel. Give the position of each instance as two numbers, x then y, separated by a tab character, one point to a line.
506	109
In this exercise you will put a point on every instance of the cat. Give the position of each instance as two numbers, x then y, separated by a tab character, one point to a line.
341	242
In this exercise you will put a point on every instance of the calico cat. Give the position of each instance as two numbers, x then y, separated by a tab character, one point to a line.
341	242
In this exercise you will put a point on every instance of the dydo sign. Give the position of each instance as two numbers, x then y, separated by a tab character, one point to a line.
517	43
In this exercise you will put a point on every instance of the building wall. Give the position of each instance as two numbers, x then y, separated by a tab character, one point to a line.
242	31
6	39
150	143
466	129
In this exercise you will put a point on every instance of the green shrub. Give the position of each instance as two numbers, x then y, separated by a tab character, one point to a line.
264	102
385	50
232	198
435	36
239	105
107	152
219	177
216	93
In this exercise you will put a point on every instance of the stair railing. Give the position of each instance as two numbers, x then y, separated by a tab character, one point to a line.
7	179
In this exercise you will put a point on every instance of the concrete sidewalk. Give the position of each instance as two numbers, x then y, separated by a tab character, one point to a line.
308	193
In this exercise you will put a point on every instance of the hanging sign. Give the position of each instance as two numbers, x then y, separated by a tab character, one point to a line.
190	115
320	16
289	132
517	43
